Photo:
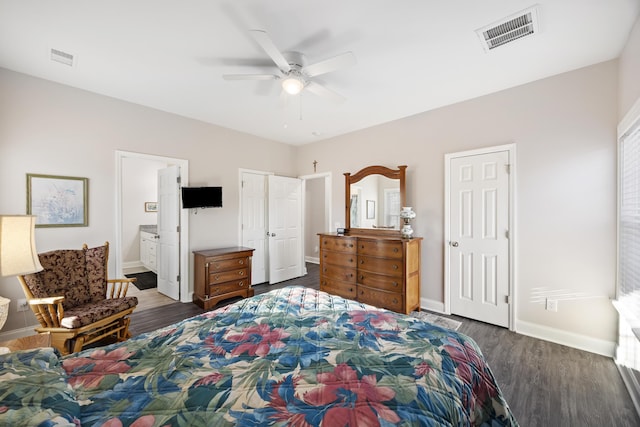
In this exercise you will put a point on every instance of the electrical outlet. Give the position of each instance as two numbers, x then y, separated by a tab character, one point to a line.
552	305
23	305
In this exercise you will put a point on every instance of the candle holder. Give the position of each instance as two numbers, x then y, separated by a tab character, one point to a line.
407	214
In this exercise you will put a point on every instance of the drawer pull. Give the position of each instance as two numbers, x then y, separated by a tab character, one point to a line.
241	273
361	261
350	259
216	278
350	289
240	284
395	284
395	267
361	277
395	300
350	245
241	261
395	250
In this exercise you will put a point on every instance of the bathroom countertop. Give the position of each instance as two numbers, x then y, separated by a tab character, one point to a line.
149	228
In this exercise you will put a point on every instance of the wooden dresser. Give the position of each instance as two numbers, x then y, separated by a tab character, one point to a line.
378	270
220	274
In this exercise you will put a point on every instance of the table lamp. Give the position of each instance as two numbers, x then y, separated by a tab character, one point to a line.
18	253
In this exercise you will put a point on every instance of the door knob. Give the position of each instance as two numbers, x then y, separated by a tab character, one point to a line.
454	244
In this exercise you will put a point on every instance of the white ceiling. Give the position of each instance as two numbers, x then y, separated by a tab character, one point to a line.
412	55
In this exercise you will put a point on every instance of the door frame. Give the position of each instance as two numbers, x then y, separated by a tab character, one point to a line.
511	149
185	292
326	176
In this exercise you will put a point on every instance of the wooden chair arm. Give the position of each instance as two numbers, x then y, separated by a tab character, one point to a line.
48	311
119	287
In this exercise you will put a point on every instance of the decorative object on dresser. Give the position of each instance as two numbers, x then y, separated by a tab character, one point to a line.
407	214
373	265
18	253
220	274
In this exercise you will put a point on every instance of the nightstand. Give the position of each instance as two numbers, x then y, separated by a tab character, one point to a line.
26	343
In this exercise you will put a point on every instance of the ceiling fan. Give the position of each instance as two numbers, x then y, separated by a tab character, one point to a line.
294	73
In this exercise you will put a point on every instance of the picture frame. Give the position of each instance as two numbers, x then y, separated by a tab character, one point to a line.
371	209
151	206
58	201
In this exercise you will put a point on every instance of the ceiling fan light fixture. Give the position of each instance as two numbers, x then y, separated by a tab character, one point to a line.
293	85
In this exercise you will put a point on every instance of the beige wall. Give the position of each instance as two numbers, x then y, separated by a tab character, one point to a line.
564	131
563	127
54	129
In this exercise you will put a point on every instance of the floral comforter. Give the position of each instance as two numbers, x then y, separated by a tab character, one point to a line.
291	357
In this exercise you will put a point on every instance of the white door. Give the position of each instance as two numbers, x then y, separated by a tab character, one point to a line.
285	228
254	224
478	236
168	252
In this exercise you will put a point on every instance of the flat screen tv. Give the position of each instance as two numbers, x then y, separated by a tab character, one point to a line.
201	197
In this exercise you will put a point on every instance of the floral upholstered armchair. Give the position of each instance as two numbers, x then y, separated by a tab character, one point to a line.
75	302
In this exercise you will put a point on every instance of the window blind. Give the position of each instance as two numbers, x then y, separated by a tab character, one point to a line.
629	226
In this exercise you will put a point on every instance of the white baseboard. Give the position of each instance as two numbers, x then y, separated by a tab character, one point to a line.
558	336
432	305
312	260
569	339
132	264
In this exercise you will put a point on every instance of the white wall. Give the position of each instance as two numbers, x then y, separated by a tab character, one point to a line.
564	130
50	128
140	185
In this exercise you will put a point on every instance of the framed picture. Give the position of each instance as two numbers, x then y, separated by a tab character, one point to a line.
151	206
58	201
371	209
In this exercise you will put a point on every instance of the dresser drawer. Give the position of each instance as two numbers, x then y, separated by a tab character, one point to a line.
227	264
338	244
237	285
339	258
226	276
335	287
335	272
391	266
388	300
382	282
380	248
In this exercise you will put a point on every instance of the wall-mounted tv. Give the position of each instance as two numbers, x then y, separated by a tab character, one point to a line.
201	197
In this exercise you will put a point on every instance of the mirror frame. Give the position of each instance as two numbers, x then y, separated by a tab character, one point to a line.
349	179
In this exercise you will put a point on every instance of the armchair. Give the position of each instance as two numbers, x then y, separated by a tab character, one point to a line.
74	300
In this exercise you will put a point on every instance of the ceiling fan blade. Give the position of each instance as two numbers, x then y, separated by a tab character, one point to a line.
266	43
250	77
318	89
343	60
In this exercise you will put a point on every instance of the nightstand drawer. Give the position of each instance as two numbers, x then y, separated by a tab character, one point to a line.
226	276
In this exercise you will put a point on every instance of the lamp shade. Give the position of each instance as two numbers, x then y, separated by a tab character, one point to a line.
18	253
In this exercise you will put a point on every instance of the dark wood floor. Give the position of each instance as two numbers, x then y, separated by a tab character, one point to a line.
545	384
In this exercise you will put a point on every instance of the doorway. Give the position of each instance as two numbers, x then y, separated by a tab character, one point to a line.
255	224
124	205
479	234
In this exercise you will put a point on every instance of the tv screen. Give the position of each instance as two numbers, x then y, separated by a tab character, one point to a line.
201	197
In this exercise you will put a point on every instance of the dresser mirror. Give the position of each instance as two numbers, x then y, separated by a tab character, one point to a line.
373	199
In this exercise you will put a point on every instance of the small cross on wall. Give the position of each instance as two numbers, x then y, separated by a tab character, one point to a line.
315	164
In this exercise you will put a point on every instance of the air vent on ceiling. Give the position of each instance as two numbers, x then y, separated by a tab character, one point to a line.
522	24
62	57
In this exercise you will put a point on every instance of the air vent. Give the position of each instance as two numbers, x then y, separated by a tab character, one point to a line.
62	57
522	24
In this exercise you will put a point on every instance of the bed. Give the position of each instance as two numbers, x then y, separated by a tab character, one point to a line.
290	357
